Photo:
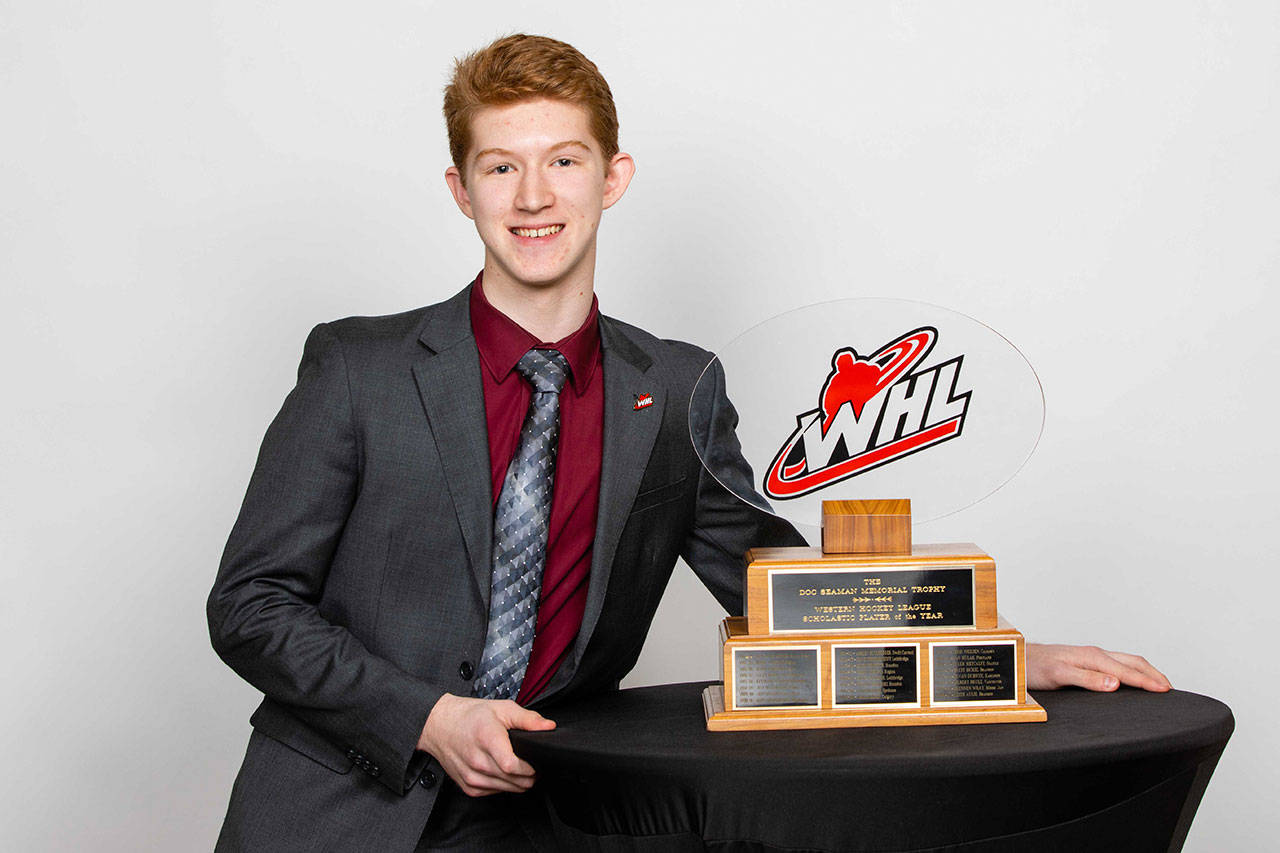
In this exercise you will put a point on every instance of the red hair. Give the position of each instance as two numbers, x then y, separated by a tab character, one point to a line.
519	68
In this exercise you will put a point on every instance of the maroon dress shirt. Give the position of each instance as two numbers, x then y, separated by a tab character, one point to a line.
575	495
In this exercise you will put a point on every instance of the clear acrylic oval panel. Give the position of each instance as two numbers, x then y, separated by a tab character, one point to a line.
866	399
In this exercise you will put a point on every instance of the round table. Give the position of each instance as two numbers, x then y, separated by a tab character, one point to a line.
637	770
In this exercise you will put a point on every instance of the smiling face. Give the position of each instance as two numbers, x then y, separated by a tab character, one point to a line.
535	184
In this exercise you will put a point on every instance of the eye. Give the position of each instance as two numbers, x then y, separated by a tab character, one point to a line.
501	169
564	161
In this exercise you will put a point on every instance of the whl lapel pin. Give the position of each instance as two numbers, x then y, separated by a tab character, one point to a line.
643	401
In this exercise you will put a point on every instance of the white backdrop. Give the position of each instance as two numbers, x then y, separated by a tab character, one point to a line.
186	189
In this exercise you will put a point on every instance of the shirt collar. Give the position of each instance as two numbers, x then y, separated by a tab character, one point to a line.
502	342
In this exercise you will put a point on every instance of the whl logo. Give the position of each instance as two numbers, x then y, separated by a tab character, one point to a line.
872	410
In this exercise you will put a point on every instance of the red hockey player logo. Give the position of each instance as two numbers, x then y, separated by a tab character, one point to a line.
871	411
856	380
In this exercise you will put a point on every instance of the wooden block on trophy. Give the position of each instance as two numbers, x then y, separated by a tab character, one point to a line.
803	591
866	527
884	678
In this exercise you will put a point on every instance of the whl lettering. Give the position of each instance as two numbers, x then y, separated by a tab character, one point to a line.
872	410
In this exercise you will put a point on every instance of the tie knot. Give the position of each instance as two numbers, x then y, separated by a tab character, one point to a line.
546	370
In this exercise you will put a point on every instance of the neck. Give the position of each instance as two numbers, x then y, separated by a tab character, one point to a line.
548	312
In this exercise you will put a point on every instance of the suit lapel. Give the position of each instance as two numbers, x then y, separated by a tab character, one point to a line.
448	378
629	434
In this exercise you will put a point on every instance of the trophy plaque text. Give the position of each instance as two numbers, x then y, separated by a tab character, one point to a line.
870	630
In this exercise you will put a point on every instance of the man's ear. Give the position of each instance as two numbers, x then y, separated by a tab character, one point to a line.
453	178
618	177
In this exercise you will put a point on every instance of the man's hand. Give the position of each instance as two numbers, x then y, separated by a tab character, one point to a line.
1051	667
469	739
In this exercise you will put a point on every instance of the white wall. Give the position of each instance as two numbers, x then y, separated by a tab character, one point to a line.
185	189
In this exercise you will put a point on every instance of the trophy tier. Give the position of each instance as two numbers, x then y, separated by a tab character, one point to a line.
869	630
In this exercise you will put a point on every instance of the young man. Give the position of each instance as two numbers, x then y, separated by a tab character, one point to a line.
471	510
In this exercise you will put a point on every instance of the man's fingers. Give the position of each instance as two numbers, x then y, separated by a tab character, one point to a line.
516	717
514	766
494	767
476	784
1115	668
469	738
505	764
1089	679
498	759
1051	667
481	773
1147	676
1124	667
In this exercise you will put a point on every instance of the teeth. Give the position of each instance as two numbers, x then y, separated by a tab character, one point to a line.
538	232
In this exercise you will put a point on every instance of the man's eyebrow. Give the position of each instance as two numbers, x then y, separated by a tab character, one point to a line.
571	143
502	152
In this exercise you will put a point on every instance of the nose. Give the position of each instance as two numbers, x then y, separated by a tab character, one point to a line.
535	192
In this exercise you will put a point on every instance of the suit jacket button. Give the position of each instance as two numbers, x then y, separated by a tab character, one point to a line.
374	771
466	670
352	754
427	779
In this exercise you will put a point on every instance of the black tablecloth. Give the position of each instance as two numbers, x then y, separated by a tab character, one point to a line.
637	770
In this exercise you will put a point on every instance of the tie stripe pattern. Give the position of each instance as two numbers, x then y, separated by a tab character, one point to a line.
520	525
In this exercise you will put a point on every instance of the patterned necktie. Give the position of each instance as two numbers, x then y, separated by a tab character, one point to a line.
520	525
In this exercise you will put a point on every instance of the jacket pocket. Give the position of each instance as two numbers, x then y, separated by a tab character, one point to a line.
656	497
281	726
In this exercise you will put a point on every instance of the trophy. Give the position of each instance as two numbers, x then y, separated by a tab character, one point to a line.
869	631
870	628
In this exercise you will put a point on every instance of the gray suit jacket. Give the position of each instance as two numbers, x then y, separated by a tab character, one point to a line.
354	588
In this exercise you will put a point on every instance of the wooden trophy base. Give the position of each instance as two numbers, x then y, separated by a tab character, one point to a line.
871	678
869	630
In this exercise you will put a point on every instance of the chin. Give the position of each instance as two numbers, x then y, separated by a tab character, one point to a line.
541	278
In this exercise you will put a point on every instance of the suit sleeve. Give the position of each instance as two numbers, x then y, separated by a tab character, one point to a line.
263	616
725	525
